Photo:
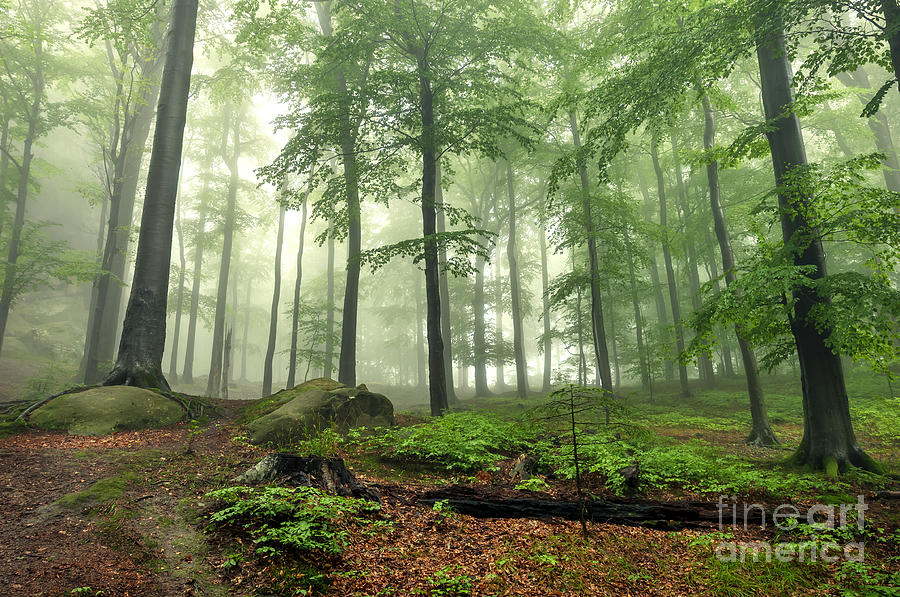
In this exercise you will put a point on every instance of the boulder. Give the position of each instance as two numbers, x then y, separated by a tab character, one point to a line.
315	409
99	411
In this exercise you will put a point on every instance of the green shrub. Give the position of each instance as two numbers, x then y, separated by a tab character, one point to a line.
462	442
276	518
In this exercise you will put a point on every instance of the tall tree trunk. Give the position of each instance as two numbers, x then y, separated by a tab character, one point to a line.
545	305
662	315
437	379
513	259
328	370
173	362
706	369
617	374
670	270
273	314
139	361
638	319
582	362
598	332
214	383
226	362
828	439
295	309
187	374
761	432
421	377
348	134
7	296
891	11
445	290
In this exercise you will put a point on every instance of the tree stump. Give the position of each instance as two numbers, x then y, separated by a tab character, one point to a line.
328	474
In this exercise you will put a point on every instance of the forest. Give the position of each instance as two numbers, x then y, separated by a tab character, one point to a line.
449	298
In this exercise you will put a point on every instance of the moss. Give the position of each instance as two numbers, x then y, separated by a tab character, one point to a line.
13	427
104	490
269	404
99	411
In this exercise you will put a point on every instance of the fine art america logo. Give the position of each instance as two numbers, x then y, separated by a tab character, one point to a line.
820	529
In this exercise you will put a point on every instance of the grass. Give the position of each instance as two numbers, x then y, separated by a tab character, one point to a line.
104	490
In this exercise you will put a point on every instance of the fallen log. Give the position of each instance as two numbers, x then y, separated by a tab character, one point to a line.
652	514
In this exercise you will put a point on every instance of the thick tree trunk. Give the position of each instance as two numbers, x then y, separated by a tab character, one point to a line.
513	259
187	375
295	309
421	357
598	332
545	305
891	11
273	314
176	335
347	360
445	290
328	369
670	270
638	319
761	432
437	380
214	383
828	439
139	361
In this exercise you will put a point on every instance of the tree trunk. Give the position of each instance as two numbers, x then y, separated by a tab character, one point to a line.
436	366
828	439
513	259
421	381
892	32
617	374
139	361
173	362
670	270
8	294
226	362
187	375
295	309
498	328
328	370
347	360
761	432
638	319
273	314
545	305
214	383
662	316
445	290
706	369
880	128
598	332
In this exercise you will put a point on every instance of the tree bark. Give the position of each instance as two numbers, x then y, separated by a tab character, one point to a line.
328	370
761	432
670	270
513	259
598	332
273	314
445	290
347	359
891	11
828	439
295	309
139	361
214	383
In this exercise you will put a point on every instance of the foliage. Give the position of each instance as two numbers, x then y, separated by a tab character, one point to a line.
301	519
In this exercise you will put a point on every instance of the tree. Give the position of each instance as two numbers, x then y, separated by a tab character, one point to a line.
276	302
139	362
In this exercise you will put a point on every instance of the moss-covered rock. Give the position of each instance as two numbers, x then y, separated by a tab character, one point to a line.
99	411
311	409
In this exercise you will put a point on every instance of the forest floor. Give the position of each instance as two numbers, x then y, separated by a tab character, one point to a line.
127	514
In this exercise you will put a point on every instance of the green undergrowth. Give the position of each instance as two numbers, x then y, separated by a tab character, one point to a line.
104	490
